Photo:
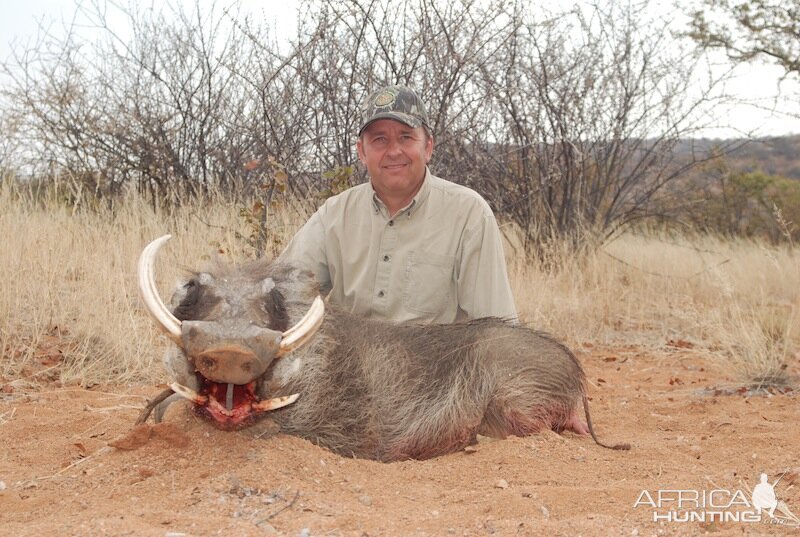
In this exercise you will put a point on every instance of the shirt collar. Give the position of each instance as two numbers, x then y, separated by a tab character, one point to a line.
415	203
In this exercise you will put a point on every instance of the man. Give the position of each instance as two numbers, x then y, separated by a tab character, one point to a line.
407	245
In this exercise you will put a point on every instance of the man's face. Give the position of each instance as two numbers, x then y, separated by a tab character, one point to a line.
395	156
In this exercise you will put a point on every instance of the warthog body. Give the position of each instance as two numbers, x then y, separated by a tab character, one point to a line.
366	388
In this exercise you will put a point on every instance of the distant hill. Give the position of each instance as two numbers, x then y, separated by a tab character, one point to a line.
773	156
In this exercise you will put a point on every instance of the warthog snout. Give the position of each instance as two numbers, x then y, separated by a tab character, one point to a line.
235	353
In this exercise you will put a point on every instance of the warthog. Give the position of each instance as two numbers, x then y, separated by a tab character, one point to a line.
360	387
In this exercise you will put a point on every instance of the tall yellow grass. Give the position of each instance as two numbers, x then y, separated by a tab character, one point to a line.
69	277
734	300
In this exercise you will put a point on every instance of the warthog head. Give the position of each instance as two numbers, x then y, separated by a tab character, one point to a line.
238	328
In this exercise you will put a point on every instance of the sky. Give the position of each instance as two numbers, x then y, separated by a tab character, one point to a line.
753	83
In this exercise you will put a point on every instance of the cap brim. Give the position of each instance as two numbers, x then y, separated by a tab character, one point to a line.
406	119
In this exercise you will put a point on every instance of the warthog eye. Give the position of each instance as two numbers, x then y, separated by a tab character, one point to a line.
274	305
183	310
197	301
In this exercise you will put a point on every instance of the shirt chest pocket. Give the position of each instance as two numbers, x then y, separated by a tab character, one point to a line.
429	284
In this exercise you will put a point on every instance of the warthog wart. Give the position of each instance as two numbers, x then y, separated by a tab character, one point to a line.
257	338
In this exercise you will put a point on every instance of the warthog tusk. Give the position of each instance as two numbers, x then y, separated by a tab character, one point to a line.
304	330
189	393
149	292
292	339
262	406
276	403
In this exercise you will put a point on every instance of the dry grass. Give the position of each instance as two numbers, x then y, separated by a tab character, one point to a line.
69	305
734	299
69	294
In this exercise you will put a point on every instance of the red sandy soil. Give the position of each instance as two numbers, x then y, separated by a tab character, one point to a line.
59	474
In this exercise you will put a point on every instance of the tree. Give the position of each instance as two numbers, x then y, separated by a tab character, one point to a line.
594	104
566	122
747	30
739	203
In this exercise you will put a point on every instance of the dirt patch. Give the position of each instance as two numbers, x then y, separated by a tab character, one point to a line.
142	433
60	473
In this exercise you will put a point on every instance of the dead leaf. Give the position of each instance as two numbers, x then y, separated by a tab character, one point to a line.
680	344
791	476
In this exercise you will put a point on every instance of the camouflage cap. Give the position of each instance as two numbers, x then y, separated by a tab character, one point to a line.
394	102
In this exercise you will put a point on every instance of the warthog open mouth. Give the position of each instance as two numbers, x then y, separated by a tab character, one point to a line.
227	376
230	406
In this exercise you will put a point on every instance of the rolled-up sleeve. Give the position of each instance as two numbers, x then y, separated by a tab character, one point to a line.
307	249
483	286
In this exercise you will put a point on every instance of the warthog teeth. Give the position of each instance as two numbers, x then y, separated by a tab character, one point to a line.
189	394
276	403
262	406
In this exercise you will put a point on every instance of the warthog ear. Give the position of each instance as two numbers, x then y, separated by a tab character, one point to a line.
297	284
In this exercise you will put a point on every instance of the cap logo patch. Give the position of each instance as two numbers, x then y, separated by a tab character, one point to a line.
384	99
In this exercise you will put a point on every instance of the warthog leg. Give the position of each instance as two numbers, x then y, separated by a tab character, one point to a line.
155	402
162	407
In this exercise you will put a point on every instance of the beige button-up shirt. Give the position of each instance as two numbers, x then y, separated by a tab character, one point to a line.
437	260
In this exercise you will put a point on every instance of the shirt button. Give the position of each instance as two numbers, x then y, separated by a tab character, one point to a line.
391	222
380	294
386	258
